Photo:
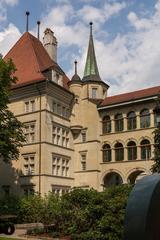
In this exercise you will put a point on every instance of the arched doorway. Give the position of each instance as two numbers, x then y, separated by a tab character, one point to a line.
133	176
112	179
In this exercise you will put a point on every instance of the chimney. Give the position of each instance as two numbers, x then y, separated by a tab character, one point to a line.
50	44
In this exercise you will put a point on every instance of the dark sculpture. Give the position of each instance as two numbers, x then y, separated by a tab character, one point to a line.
142	219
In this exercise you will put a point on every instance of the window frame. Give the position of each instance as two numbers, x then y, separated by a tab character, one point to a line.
107	153
131	151
145	119
106	124
145	149
94	92
119	152
119	122
131	121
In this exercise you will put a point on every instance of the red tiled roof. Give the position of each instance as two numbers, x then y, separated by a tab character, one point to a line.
31	59
131	96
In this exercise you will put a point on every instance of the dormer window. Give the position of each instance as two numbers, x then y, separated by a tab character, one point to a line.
94	92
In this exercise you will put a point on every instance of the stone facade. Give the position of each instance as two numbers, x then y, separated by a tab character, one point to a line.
74	138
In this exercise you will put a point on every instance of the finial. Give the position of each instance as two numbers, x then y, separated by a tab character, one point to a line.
75	62
91	23
27	14
38	24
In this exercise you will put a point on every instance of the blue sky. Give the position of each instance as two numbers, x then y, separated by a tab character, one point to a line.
126	36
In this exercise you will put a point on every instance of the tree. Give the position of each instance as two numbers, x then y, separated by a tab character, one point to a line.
156	165
11	133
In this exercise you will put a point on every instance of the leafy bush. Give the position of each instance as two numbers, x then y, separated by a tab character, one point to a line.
80	214
9	205
31	209
95	215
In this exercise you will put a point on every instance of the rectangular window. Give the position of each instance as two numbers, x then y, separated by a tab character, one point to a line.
29	132
30	106
26	107
83	161
54	107
60	165
29	164
60	190
60	136
59	109
28	190
94	92
83	136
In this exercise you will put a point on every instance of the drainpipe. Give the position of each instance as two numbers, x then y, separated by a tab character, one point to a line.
40	137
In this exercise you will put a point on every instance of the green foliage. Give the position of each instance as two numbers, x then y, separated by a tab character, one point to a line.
95	215
31	209
156	165
9	205
80	214
11	134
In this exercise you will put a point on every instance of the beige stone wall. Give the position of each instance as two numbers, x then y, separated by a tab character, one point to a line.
83	153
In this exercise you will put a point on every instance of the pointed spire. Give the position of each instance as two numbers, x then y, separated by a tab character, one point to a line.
91	69
75	77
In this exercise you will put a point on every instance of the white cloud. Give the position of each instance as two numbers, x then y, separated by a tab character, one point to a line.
129	62
3	8
10	2
8	38
89	13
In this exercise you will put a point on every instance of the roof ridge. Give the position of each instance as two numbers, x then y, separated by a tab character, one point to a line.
133	91
131	96
36	58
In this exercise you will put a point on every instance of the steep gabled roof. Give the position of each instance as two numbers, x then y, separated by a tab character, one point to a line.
131	96
31	60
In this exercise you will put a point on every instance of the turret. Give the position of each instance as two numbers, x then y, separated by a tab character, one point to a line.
96	88
50	44
75	83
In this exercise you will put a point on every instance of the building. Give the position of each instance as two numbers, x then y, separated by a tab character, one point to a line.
76	135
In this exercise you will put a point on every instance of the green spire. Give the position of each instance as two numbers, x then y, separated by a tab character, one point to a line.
91	69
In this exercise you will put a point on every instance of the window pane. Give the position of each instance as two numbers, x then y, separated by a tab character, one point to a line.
119	152
94	92
106	124
145	118
118	123
145	150
131	121
106	153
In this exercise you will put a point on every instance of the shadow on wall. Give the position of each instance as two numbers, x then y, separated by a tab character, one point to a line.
11	179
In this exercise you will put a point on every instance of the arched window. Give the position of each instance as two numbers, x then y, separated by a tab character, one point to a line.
118	122
145	149
131	121
106	124
145	118
132	150
107	153
119	152
112	179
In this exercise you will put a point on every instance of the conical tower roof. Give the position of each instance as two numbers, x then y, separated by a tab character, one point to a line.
76	77
91	69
